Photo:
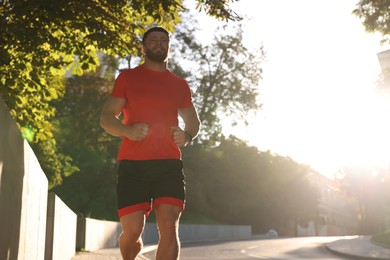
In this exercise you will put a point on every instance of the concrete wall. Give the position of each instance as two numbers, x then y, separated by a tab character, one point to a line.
190	233
60	230
94	234
150	234
106	231
213	232
98	234
11	184
23	195
34	205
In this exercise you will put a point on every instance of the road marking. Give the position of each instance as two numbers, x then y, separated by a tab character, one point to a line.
243	251
248	248
255	256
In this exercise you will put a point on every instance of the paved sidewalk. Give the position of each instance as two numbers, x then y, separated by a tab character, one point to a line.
110	254
360	247
355	246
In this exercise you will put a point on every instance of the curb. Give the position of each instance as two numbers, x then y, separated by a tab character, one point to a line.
359	247
339	253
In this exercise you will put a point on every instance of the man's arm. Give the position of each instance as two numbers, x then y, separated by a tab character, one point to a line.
109	121
191	121
192	125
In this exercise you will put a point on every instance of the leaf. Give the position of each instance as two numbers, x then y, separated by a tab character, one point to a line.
77	70
53	93
27	133
42	81
57	71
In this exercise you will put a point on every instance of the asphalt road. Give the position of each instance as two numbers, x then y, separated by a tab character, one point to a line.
280	248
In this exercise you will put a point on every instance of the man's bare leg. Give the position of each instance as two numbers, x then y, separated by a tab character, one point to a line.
130	241
167	217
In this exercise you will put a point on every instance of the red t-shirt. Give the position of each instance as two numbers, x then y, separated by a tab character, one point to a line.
153	98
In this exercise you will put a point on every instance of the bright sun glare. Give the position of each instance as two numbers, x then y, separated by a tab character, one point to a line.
321	104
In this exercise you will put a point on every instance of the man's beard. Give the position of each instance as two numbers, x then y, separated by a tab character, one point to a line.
158	56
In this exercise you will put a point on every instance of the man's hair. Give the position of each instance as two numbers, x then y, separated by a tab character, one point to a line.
154	29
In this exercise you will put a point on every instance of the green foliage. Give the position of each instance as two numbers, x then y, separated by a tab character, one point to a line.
54	161
192	217
382	238
375	16
42	40
224	76
219	9
236	184
91	191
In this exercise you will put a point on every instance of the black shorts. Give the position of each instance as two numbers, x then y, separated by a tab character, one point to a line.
141	183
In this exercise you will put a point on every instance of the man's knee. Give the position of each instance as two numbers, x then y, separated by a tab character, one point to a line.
130	236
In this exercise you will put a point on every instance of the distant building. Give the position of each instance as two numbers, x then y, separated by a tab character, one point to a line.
337	212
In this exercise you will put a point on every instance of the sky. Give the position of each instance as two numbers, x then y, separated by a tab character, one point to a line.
319	94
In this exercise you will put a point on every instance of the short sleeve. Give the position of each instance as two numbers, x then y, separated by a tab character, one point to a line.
187	100
119	89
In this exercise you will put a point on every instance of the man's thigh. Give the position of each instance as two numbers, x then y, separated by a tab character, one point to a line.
133	224
167	218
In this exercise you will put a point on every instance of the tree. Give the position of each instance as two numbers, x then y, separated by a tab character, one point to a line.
290	195
234	183
41	40
376	17
224	76
90	191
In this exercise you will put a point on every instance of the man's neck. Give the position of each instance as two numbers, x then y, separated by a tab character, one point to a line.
157	66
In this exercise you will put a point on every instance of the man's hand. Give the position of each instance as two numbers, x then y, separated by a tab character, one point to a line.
136	132
179	136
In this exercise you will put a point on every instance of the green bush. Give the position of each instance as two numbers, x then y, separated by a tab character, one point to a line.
382	238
